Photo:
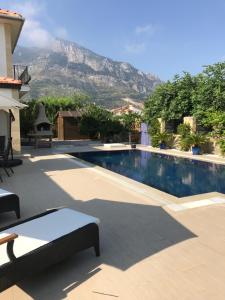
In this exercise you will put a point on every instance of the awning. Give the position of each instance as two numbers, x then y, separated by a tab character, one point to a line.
8	102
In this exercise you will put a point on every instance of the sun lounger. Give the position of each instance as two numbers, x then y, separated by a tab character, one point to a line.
9	202
30	246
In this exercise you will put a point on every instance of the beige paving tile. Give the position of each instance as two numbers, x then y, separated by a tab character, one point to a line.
148	252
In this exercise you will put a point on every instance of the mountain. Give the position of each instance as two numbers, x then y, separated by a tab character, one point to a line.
67	67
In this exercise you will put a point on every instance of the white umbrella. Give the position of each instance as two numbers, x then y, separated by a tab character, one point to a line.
8	102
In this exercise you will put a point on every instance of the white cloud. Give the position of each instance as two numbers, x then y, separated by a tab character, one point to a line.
146	29
61	32
135	48
139	42
34	33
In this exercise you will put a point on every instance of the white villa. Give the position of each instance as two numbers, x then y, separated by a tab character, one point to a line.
13	78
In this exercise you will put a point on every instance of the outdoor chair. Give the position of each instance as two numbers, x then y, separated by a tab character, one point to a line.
9	202
27	247
4	155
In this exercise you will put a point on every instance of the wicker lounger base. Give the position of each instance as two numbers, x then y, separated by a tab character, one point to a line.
9	202
11	163
49	254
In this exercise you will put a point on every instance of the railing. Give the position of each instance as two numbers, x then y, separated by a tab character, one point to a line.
21	73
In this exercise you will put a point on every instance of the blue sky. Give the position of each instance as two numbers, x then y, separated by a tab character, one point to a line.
161	37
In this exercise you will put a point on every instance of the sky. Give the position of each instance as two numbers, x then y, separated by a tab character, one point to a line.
161	37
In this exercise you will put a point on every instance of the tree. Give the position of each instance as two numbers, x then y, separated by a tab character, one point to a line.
210	90
130	122
171	100
98	122
55	104
27	117
201	95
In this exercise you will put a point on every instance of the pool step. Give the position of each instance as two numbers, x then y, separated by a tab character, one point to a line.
112	145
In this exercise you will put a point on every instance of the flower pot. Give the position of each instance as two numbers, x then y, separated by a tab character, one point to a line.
195	150
162	146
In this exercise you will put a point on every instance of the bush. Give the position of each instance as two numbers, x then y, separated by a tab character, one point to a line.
222	145
163	138
184	143
155	141
197	139
154	127
27	118
154	130
98	122
184	130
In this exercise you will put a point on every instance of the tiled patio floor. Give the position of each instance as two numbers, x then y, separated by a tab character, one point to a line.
148	252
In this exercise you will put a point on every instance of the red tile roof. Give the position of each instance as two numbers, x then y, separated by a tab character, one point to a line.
9	13
9	80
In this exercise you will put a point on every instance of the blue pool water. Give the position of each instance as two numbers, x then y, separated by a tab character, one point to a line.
177	176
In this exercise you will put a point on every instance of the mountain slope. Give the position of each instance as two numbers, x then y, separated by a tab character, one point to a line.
68	67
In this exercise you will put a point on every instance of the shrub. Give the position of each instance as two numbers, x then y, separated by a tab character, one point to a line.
197	139
155	141
163	138
184	130
99	122
184	143
222	145
27	118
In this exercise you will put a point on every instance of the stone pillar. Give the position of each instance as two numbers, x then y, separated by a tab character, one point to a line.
192	122
16	141
162	125
60	127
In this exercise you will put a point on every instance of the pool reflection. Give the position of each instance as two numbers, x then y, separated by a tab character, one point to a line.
177	176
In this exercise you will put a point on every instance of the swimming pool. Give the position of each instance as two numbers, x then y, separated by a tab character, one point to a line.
174	175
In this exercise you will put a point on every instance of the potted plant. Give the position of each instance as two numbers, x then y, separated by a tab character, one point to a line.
162	139
196	140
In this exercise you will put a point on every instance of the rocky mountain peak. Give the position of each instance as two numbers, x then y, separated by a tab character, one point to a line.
68	67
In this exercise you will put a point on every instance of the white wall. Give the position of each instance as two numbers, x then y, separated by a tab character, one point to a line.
16	124
6	70
5	51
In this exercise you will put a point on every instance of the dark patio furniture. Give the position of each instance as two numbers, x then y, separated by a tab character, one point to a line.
5	149
9	202
36	248
6	152
10	163
2	143
2	148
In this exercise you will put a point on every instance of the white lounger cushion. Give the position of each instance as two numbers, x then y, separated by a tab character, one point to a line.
4	193
38	232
